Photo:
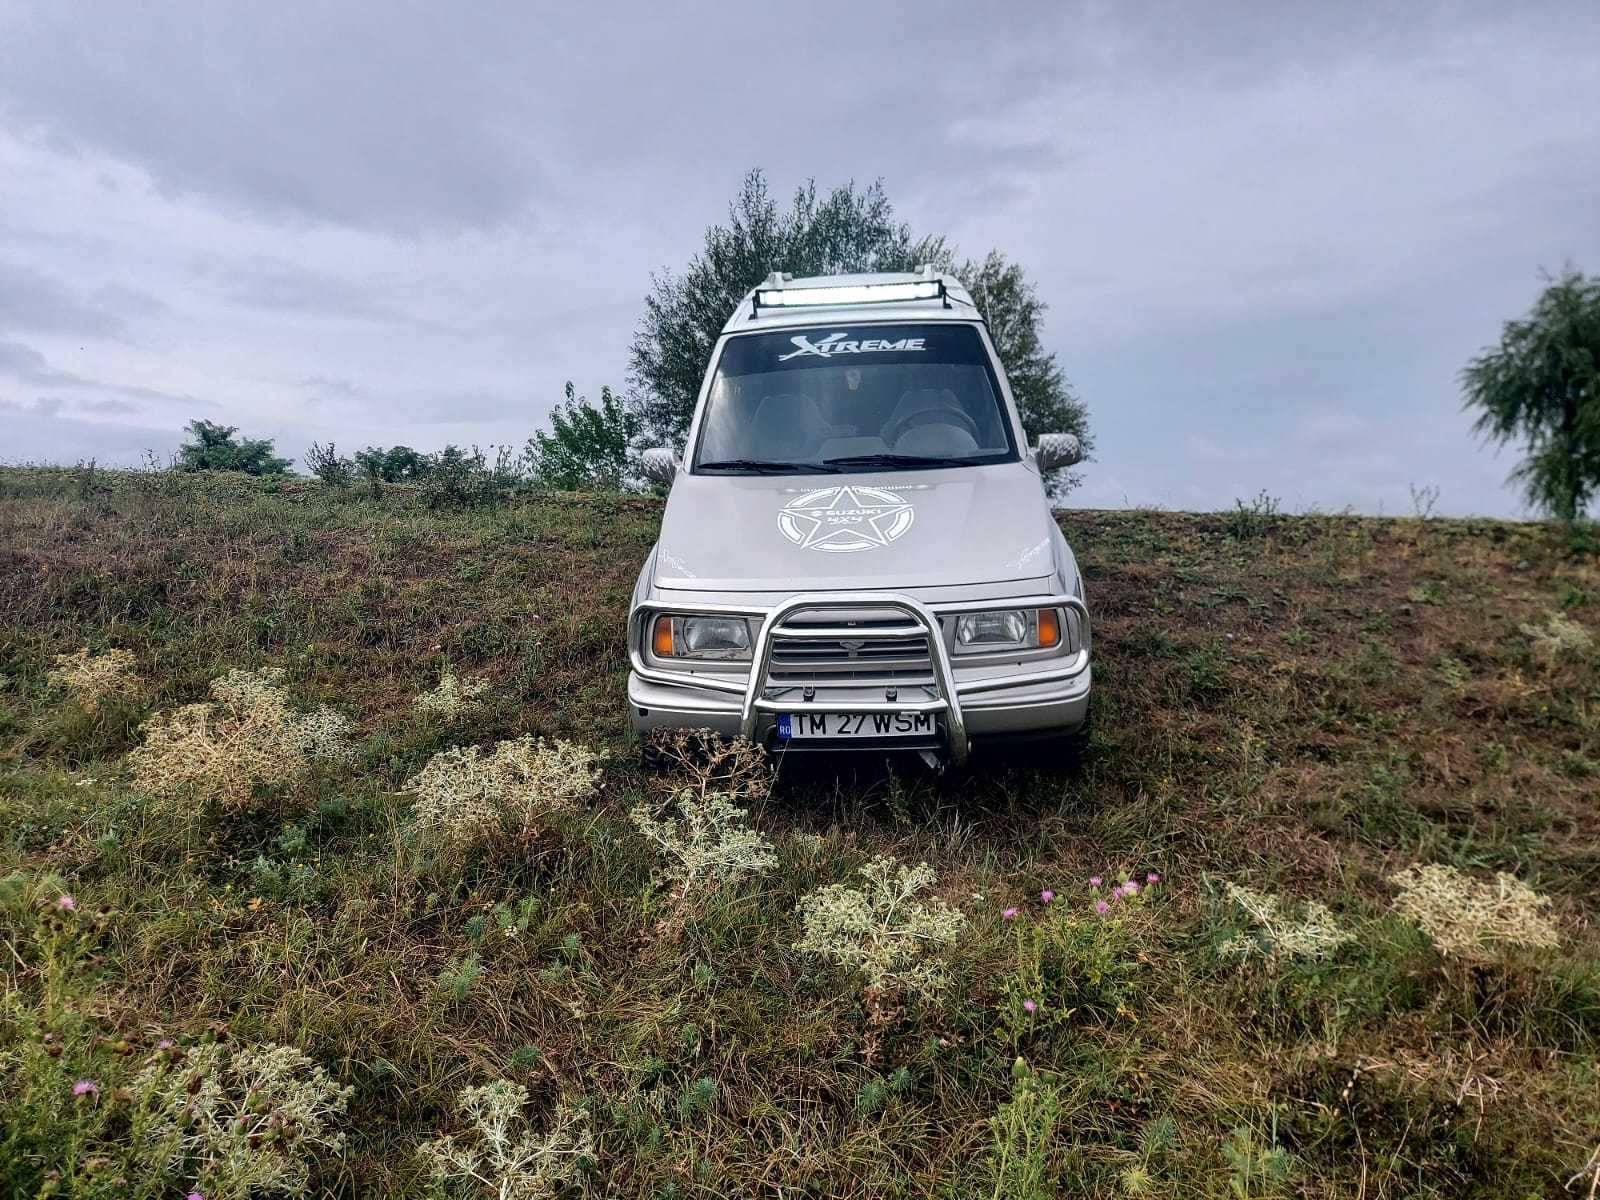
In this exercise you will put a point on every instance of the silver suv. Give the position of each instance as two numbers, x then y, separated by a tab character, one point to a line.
858	549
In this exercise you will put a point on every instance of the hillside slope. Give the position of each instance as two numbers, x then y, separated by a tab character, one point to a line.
1301	706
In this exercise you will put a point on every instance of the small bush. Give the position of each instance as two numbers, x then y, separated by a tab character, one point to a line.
94	678
327	465
1279	929
1559	640
883	932
218	754
467	798
454	698
500	1156
703	835
455	478
1468	918
240	1120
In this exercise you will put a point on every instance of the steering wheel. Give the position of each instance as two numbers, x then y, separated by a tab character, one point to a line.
955	417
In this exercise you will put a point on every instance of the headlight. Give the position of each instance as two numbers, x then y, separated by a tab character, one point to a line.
701	637
1008	629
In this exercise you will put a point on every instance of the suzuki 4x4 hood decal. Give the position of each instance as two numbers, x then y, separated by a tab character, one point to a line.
970	525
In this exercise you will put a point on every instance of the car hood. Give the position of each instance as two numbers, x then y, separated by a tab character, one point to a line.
895	529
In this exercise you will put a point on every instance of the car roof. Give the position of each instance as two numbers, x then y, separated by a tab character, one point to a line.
954	305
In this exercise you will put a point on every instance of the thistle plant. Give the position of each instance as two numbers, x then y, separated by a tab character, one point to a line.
1281	929
500	1156
466	797
93	678
1471	919
454	698
1560	639
216	754
243	1120
882	932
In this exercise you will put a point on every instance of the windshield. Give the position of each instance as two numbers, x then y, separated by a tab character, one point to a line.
836	399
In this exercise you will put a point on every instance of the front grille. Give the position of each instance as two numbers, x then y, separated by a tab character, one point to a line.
842	659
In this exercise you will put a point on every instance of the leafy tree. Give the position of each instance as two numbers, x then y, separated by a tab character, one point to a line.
587	448
1542	383
215	449
850	230
397	464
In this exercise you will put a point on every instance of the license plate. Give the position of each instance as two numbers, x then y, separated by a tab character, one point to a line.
801	726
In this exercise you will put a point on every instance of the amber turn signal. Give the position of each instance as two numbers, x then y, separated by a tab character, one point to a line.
662	637
1049	628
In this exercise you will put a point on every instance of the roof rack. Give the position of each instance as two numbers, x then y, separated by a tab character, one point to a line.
776	292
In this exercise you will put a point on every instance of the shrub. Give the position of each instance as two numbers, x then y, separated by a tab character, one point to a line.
882	932
1468	918
455	478
218	753
243	1120
92	678
327	465
1560	639
454	698
467	798
500	1156
701	832
1282	929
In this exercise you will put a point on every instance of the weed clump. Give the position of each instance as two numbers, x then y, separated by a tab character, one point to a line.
1468	918
702	832
1559	640
93	678
218	753
500	1156
244	1120
883	932
454	698
1282	929
467	798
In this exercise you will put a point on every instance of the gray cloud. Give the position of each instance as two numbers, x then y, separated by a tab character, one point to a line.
1269	234
34	301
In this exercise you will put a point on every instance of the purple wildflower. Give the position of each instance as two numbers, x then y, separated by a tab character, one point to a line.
165	1044
1130	888
195	1196
1153	877
85	1087
1009	914
67	903
1101	907
1047	895
1028	1006
1095	881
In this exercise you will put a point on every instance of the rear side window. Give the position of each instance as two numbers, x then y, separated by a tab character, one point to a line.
811	396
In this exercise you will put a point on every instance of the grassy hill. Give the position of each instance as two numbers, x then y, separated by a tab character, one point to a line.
1300	707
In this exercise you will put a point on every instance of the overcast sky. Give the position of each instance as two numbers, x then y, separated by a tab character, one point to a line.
1269	235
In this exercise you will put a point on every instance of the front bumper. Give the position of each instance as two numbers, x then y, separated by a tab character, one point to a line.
968	705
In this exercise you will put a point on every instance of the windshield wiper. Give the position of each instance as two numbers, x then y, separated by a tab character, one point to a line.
762	466
900	460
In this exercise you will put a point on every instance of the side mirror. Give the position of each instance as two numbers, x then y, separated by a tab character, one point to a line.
1057	450
659	465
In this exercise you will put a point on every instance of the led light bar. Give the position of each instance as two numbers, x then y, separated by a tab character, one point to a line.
849	294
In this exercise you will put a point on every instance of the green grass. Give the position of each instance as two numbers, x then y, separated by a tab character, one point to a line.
1300	704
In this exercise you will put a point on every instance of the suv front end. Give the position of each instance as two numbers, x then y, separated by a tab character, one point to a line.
859	552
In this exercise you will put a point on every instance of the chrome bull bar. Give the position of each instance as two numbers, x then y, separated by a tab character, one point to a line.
922	619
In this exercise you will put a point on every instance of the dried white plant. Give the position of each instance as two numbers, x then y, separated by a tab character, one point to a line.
455	697
244	1119
1281	928
93	678
1471	918
502	1156
466	797
883	931
250	735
